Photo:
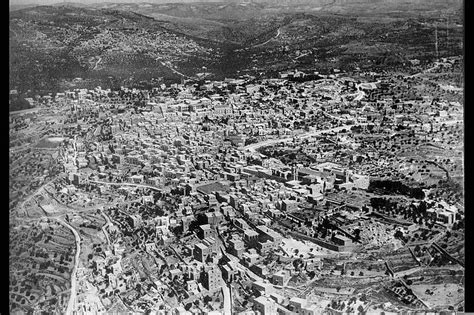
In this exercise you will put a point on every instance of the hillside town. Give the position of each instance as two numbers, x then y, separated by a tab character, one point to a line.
306	193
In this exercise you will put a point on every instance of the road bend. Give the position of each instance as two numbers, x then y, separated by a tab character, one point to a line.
72	299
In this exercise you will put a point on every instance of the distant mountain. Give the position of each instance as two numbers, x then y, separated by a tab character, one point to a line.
15	7
337	6
72	4
112	44
428	4
61	46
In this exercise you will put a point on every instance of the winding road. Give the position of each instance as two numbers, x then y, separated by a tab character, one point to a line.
227	297
172	69
424	71
31	196
261	44
254	146
125	184
72	299
97	63
104	227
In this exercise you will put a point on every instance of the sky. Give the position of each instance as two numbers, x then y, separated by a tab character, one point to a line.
49	2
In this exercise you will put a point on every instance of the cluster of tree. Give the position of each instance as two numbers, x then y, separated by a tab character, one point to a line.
451	189
356	235
395	187
324	228
416	212
45	265
439	259
337	305
19	103
382	204
42	255
89	225
458	225
399	234
250	140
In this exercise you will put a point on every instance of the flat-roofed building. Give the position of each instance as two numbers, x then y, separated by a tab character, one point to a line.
201	252
251	237
266	233
205	231
211	278
264	306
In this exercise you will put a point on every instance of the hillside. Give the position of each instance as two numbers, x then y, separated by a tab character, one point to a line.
113	44
52	47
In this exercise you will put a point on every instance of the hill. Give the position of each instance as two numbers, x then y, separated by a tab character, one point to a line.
53	47
113	44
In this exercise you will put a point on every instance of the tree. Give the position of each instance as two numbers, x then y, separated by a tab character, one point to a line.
398	234
207	299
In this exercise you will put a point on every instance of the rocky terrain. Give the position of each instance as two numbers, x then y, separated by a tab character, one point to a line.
143	44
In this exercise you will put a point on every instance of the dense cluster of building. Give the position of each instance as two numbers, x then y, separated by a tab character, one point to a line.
241	195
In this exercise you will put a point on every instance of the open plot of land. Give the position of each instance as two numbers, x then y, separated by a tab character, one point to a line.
297	248
439	295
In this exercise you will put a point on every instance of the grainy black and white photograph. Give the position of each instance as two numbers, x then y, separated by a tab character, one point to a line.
236	157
